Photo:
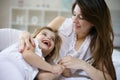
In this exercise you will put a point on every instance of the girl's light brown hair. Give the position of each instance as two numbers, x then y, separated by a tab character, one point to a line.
55	52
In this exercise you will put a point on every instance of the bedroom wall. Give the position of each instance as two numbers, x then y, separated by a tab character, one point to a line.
115	14
6	4
4	12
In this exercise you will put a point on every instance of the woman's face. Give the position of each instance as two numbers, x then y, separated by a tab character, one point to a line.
80	25
46	39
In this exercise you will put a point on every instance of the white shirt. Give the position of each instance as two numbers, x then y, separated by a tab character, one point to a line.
12	54
68	39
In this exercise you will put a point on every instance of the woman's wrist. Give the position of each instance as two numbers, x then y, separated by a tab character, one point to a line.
85	66
88	68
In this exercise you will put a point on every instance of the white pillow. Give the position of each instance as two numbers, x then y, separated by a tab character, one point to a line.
8	36
116	62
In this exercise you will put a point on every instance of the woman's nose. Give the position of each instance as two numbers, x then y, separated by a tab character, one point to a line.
75	19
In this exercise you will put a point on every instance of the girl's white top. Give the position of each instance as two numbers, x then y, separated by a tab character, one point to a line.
68	42
12	54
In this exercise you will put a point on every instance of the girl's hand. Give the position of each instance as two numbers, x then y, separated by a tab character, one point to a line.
30	50
73	63
58	69
25	41
67	72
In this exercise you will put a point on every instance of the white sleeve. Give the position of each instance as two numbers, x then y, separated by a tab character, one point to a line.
37	49
66	27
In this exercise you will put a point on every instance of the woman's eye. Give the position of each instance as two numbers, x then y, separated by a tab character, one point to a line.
74	14
80	17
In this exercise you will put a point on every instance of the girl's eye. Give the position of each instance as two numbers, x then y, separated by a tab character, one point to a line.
53	39
44	34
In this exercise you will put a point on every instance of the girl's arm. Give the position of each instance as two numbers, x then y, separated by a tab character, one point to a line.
33	59
56	22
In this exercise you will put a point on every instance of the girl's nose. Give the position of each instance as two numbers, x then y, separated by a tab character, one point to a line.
48	37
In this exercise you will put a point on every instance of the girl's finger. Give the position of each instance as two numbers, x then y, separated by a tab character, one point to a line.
32	41
21	45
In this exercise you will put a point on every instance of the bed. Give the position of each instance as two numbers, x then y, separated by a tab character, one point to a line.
9	36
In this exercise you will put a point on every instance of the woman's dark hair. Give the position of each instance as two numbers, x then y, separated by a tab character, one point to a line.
97	13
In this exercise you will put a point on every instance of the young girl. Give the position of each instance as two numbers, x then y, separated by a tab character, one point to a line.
14	65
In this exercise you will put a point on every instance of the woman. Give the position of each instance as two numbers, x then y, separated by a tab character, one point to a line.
87	41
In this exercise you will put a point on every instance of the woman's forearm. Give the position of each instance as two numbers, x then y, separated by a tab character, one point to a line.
94	73
77	64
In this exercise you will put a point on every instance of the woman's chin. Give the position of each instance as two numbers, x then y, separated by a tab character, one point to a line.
76	28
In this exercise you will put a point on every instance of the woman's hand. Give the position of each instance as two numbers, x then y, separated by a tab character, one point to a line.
73	63
25	41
